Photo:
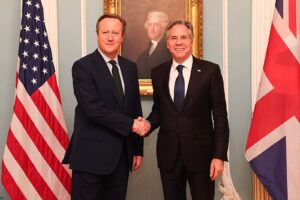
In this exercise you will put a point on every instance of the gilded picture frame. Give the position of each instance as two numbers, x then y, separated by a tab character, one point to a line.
193	12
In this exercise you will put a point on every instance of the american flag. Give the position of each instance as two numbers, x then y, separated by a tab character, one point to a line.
37	137
273	146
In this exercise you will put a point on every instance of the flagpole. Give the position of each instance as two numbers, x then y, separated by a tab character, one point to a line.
259	192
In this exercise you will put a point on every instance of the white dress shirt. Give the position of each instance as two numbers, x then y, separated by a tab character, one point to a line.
107	59
186	72
153	46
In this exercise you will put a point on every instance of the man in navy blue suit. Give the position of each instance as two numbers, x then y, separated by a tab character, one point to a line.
104	146
190	109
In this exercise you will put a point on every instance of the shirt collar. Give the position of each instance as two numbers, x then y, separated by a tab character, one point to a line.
107	59
155	42
187	63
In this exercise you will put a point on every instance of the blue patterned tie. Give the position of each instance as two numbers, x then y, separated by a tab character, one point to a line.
179	89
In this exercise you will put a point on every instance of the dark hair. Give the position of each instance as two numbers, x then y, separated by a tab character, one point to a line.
113	16
181	22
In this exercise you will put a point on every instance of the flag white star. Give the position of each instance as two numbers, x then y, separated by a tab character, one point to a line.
34	81
28	15
28	3
45	58
45	71
37	18
45	34
36	43
24	66
34	69
20	40
37	5
25	54
35	56
26	41
45	46
27	28
37	31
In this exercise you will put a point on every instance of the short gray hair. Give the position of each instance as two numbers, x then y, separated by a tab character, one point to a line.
187	24
157	14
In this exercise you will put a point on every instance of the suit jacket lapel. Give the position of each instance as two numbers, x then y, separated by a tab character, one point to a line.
165	83
196	74
103	69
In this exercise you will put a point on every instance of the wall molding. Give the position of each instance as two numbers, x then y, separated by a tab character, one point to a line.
225	185
262	14
83	28
225	47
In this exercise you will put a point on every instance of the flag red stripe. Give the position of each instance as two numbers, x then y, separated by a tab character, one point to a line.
53	84
50	118
29	169
42	145
10	185
292	17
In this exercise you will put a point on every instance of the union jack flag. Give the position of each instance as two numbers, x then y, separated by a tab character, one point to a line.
273	146
37	137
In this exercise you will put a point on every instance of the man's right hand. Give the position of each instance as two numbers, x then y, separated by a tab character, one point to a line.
141	126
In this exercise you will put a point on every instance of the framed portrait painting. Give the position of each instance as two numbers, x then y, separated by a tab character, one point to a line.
145	40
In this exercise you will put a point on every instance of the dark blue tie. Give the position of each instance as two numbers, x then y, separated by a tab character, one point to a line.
117	80
179	89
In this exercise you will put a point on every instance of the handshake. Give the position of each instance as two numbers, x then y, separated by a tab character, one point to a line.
141	126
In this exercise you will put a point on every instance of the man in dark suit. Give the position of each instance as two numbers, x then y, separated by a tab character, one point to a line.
190	108
156	51
103	147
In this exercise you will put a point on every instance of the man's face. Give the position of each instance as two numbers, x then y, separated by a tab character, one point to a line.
155	29
180	42
110	36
